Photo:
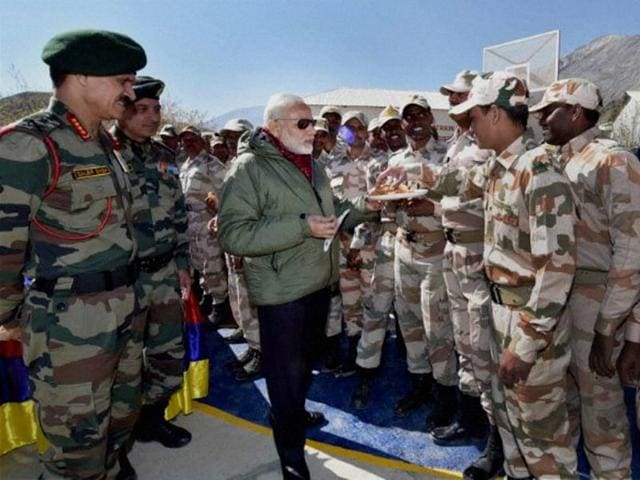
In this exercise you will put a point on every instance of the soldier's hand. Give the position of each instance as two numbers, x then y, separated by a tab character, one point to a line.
629	363
322	227
212	202
420	207
600	356
393	175
512	370
10	333
185	283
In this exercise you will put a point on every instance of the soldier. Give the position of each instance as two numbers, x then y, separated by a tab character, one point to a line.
321	139
349	181
605	181
219	148
335	147
378	301
66	223
529	259
169	138
202	176
160	221
421	302
376	143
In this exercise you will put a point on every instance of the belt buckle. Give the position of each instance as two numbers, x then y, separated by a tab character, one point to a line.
494	291
448	234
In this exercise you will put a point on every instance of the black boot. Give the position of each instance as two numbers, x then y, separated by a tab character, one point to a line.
242	360
206	304
126	469
314	419
237	336
360	397
472	425
221	315
349	365
152	426
489	464
444	407
251	370
332	357
420	394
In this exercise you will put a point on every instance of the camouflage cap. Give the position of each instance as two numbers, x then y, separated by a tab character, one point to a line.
168	130
321	124
388	114
237	125
191	129
330	109
354	114
416	100
461	84
216	139
148	87
572	91
496	88
94	52
373	124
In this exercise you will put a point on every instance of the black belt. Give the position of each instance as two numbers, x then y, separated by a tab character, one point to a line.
92	282
154	263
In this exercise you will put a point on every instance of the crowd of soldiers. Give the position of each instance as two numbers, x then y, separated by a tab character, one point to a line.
509	268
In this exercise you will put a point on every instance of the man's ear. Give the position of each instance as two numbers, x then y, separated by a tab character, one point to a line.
495	114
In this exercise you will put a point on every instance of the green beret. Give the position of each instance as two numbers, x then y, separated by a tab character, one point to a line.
148	87
94	52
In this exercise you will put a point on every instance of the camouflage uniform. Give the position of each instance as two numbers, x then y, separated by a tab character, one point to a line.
201	176
605	182
82	340
243	310
160	220
421	301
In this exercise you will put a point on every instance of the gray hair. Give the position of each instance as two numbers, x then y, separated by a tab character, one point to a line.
278	103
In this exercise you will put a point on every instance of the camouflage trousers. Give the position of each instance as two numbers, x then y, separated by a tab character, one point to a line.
532	416
378	301
354	283
594	400
243	311
334	317
423	310
470	309
208	258
84	354
163	340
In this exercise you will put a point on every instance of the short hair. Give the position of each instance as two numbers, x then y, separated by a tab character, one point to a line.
518	114
278	103
57	76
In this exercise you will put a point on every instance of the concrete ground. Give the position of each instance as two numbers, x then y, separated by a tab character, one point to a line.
228	448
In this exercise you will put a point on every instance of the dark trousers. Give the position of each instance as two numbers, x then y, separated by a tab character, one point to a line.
291	336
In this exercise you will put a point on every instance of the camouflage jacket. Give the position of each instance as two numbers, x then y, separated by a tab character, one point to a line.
159	212
82	222
329	159
431	155
606	183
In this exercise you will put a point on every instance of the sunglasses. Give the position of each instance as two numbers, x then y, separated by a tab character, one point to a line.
302	123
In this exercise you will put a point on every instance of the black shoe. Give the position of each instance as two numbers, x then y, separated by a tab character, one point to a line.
471	426
314	419
489	464
221	316
206	305
349	367
242	360
126	469
444	408
332	360
360	397
420	394
251	370
152	427
451	435
237	336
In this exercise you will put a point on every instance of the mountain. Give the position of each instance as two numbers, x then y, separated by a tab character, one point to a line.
253	114
21	104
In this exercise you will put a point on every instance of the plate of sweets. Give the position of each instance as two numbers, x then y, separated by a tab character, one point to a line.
388	192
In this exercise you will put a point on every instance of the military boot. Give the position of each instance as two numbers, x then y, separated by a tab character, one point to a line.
489	464
206	304
237	336
444	407
221	315
242	360
420	394
360	397
127	471
251	370
471	425
152	427
348	367
332	357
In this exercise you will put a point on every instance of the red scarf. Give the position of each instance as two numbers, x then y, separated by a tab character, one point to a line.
302	162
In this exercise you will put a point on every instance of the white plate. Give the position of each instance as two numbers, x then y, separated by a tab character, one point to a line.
327	241
398	196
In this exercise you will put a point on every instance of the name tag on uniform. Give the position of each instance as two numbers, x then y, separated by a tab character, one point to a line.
91	172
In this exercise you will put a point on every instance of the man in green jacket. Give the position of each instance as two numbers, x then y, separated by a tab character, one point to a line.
276	211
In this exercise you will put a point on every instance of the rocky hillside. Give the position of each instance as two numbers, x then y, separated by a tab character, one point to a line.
21	104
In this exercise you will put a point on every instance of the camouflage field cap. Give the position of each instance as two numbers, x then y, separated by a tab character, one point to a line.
496	88
461	84
94	52
351	114
416	100
321	124
191	129
330	109
373	124
388	114
216	139
572	91
168	130
148	87
237	125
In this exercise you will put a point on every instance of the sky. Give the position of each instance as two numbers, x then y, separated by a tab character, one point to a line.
217	56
